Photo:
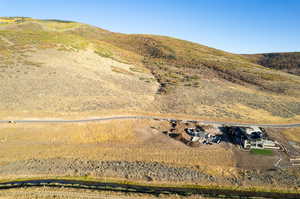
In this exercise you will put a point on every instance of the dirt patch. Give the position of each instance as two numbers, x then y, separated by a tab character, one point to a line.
71	81
246	160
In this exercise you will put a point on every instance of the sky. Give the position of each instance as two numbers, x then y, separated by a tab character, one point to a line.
238	26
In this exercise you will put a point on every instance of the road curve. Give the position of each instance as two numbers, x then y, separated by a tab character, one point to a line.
38	121
150	189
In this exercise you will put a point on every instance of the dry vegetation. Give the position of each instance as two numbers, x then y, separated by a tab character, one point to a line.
57	67
62	69
69	193
288	62
136	141
292	134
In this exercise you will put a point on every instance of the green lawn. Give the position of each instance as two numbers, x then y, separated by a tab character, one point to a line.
261	151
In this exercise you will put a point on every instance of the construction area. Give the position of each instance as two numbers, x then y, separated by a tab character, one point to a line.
246	141
195	134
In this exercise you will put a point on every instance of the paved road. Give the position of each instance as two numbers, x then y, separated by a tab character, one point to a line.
145	117
144	189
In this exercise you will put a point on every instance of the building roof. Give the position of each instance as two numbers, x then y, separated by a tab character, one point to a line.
250	130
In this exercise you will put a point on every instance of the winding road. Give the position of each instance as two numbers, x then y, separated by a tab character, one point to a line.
149	189
147	117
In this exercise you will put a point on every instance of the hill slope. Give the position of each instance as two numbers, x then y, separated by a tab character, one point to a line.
288	62
53	66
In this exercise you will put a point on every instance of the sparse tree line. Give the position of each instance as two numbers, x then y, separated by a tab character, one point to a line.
289	62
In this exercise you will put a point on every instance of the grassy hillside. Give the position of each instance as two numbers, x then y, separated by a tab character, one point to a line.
288	62
66	67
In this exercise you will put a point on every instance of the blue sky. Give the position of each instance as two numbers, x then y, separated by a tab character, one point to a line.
239	26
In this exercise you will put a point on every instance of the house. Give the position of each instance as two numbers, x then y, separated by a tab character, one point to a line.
255	138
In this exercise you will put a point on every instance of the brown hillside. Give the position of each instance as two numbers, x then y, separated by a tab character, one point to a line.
53	67
288	62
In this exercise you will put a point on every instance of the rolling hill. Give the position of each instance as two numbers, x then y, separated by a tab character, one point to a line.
53	67
288	62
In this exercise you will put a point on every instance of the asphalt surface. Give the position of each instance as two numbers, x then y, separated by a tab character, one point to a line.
144	189
38	121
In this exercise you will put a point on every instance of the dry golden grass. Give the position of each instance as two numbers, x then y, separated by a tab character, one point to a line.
292	134
72	193
103	132
58	26
92	86
76	82
121	70
90	133
255	114
118	140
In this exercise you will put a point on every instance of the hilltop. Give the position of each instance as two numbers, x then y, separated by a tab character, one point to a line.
52	67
